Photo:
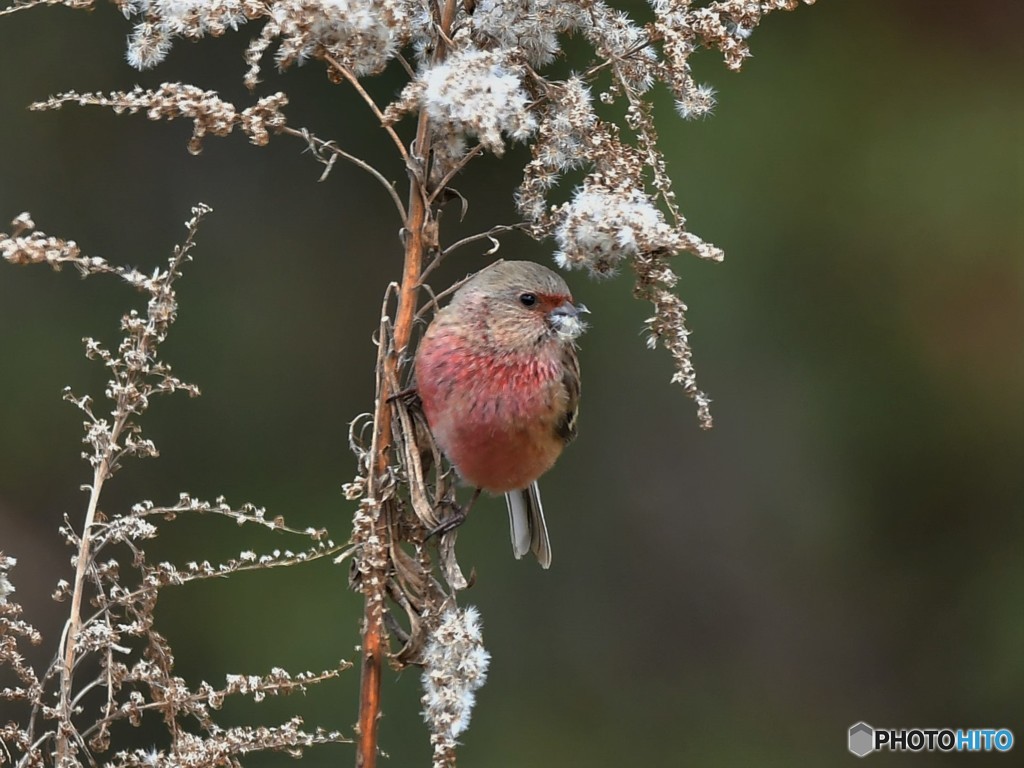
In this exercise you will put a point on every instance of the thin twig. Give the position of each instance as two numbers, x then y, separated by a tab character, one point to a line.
443	184
488	235
126	598
318	145
272	689
354	82
408	67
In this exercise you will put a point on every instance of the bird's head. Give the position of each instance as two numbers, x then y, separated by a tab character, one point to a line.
523	303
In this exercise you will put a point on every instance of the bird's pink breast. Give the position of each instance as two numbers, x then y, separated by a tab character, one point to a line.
493	415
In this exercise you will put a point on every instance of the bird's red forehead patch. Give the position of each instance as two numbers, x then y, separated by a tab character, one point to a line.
549	301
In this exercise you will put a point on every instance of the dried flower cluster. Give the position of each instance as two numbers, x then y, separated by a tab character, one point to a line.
480	75
210	115
114	646
479	94
6	588
454	667
25	684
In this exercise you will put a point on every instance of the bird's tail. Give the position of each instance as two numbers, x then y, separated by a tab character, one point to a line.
526	521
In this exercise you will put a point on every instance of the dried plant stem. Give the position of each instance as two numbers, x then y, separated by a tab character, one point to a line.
417	242
318	146
373	619
74	623
345	72
488	235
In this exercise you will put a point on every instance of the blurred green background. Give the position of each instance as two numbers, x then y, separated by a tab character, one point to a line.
848	542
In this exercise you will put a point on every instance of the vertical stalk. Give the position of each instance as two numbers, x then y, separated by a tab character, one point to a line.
416	244
69	639
373	618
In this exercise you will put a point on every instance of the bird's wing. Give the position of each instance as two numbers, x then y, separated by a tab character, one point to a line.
565	427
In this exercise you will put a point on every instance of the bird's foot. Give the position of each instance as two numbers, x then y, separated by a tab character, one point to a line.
450	523
456	518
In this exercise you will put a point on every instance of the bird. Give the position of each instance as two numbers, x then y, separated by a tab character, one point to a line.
498	379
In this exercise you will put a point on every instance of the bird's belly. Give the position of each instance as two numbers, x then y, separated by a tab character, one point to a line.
497	459
496	426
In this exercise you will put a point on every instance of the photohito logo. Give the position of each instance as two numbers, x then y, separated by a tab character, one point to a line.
863	739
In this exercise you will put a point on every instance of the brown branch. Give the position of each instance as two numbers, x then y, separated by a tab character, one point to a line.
373	618
421	237
416	244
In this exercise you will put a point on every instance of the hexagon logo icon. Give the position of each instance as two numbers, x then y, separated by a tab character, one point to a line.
862	739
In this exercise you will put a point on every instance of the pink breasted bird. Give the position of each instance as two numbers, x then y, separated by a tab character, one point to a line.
499	380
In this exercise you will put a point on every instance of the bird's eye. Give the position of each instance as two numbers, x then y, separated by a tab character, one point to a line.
527	299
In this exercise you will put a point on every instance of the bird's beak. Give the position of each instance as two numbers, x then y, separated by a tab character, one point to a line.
565	319
568	309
